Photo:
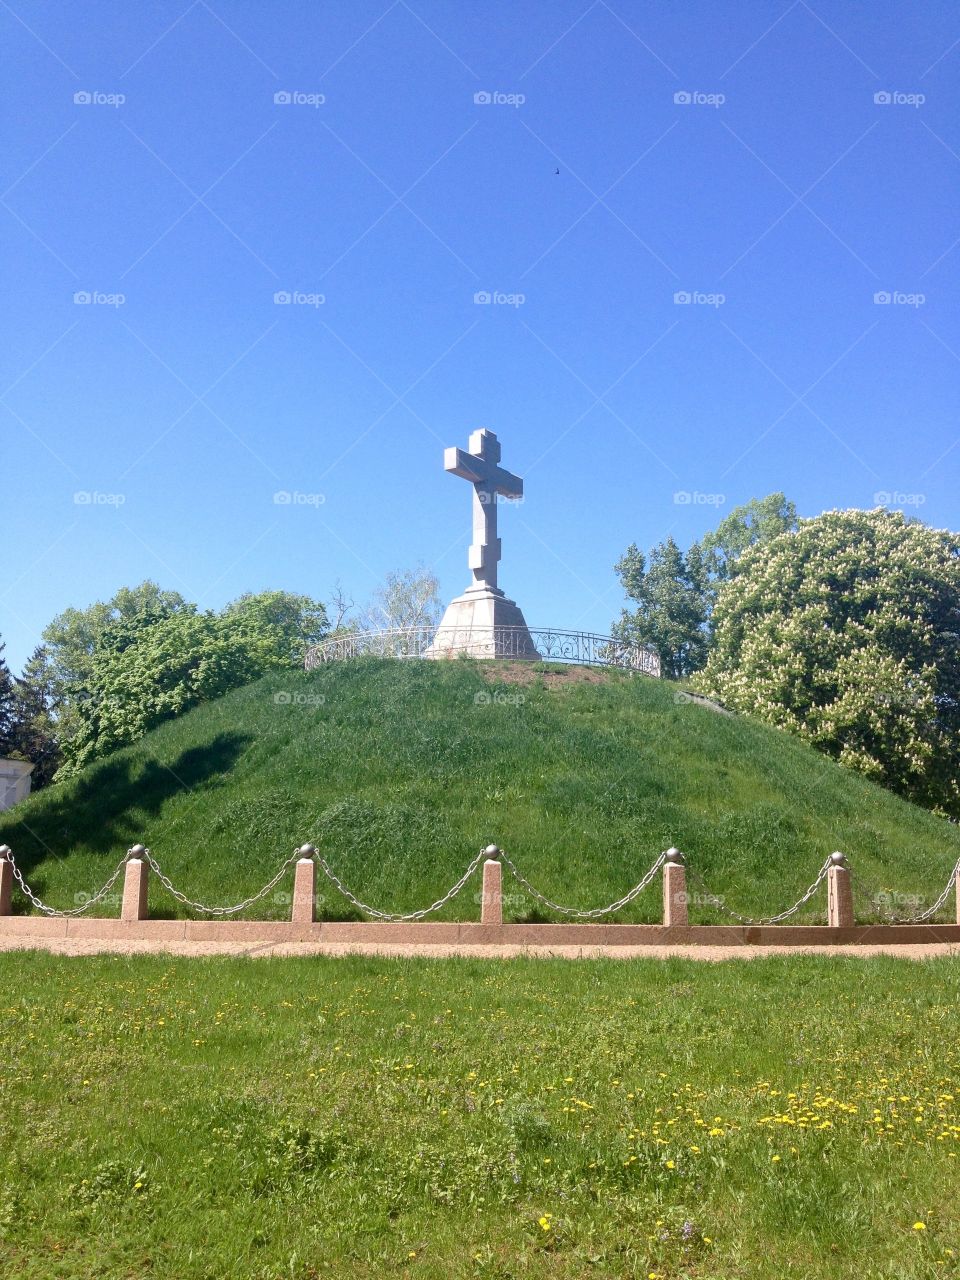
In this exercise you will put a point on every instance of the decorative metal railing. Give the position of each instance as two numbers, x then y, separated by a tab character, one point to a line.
549	645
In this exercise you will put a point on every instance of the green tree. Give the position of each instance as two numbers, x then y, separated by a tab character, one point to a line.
672	608
7	707
72	637
146	669
676	594
142	675
847	633
36	733
410	598
287	624
755	522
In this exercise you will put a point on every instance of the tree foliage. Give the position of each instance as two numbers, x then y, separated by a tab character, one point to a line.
7	708
27	729
755	522
672	610
284	624
73	636
847	633
676	593
141	675
37	734
410	598
72	639
147	666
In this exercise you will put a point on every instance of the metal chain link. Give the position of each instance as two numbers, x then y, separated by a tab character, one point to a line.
53	911
219	911
575	911
412	915
875	898
714	901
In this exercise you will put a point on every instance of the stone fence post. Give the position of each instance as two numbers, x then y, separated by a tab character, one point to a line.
304	886
675	889
135	876
839	893
6	880
491	897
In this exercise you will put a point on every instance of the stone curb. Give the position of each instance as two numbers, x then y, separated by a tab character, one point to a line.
467	934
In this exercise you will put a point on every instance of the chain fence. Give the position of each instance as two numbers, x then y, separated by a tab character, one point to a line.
219	911
391	916
596	912
713	901
877	901
882	901
54	911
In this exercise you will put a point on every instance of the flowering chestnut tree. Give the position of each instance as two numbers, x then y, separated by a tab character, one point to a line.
846	632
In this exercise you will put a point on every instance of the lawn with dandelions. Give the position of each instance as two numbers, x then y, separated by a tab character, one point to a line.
363	1117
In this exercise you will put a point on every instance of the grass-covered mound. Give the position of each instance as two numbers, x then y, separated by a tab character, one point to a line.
400	771
544	1120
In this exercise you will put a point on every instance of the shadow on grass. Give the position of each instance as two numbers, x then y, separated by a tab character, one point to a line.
105	809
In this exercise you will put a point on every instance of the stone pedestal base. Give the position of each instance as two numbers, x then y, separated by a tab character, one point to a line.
483	623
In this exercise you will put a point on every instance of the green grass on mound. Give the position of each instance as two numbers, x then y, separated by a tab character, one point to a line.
492	1120
401	771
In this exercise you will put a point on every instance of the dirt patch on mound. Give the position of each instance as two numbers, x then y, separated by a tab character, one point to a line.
550	677
555	676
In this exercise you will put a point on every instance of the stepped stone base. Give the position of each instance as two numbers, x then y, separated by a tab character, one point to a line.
483	623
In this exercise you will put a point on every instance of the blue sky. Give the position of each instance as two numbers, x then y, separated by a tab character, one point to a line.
625	154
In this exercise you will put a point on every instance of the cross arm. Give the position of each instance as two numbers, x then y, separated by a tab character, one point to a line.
479	471
464	464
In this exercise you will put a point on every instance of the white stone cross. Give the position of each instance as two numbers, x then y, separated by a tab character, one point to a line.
481	466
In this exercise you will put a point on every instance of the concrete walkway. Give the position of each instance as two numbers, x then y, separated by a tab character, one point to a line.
491	951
